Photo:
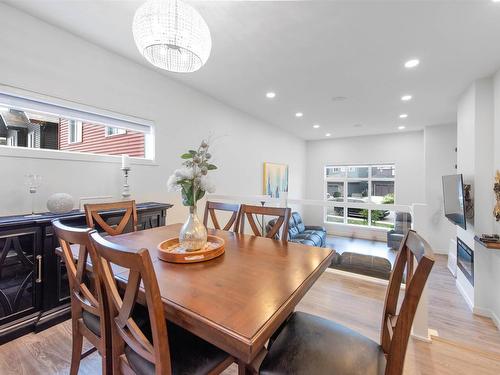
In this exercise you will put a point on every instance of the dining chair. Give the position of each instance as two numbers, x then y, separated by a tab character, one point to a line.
248	212
89	317
93	215
307	344
150	345
212	207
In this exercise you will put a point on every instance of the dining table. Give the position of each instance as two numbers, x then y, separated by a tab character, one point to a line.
237	300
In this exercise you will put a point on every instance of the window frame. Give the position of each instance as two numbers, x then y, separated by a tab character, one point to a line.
121	131
344	180
78	126
31	140
29	101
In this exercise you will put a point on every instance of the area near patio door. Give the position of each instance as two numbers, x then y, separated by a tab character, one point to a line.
353	186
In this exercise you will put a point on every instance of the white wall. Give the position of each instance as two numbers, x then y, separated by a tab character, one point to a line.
405	150
478	159
440	159
40	58
494	260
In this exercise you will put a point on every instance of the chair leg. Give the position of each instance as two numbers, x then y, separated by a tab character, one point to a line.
76	354
107	366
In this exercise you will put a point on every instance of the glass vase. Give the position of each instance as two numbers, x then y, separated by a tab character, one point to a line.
193	234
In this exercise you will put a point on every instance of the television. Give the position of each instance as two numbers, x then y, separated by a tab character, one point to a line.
454	199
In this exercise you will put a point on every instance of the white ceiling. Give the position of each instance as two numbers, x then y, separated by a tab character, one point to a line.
308	52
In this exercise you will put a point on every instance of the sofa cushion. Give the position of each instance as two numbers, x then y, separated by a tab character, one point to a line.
298	232
292	228
298	222
402	223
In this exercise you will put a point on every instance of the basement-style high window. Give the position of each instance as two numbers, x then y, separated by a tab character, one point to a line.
34	124
356	186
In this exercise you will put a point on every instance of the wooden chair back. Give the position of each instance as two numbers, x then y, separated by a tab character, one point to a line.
211	207
250	213
124	328
416	257
93	214
82	298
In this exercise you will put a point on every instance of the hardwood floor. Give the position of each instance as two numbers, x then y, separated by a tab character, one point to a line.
467	344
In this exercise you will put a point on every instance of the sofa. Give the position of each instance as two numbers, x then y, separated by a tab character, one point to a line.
402	225
305	234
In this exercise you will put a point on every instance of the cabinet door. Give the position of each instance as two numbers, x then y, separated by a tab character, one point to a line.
56	286
151	219
20	273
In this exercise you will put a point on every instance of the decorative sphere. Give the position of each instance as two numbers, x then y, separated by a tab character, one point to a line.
60	203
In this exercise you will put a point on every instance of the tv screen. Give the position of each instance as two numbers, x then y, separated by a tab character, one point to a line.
453	196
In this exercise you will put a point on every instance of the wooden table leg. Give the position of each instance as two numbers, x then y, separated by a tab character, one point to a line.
253	367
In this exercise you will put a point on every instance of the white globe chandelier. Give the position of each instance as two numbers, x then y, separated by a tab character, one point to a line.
172	35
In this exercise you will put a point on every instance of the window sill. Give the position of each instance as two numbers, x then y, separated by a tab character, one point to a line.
18	152
355	226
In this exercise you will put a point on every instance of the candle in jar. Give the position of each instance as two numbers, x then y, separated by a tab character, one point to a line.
125	161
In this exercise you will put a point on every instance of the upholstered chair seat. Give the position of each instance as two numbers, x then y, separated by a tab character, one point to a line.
311	345
188	354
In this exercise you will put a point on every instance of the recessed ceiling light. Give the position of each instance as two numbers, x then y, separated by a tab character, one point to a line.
403	115
315	126
270	95
401	127
412	63
299	114
405	98
328	134
339	98
496	1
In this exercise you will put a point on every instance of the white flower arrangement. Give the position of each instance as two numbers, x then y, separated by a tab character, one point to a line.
192	179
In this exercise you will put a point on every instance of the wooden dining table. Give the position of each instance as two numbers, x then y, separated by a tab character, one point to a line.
238	300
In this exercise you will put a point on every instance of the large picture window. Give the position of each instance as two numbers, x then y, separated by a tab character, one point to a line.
33	124
358	185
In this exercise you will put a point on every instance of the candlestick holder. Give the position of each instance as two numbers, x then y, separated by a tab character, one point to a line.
32	182
126	186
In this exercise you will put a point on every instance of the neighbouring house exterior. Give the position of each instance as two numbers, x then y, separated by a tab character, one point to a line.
95	139
22	129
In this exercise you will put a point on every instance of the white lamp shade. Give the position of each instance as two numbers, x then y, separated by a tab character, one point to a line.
172	35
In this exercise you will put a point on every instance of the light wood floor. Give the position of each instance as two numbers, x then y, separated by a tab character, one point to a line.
467	344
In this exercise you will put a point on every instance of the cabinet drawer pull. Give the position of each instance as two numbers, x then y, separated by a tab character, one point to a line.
39	273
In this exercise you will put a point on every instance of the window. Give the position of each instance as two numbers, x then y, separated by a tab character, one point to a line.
75	130
353	187
114	131
36	124
31	140
12	138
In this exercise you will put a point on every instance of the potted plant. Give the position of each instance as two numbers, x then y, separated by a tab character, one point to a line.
193	182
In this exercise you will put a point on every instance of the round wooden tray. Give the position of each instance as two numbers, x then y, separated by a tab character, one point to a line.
170	251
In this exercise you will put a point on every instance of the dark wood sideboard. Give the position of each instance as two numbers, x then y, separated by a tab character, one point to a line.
34	292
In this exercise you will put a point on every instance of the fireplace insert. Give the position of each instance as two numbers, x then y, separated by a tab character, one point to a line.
465	260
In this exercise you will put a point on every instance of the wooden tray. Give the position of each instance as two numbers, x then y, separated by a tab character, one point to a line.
171	251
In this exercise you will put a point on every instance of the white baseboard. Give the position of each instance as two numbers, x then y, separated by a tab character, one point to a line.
487	313
464	294
421	338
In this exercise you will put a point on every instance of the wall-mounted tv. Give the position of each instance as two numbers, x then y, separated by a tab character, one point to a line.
454	201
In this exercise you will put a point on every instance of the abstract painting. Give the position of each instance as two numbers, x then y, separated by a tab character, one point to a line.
275	179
